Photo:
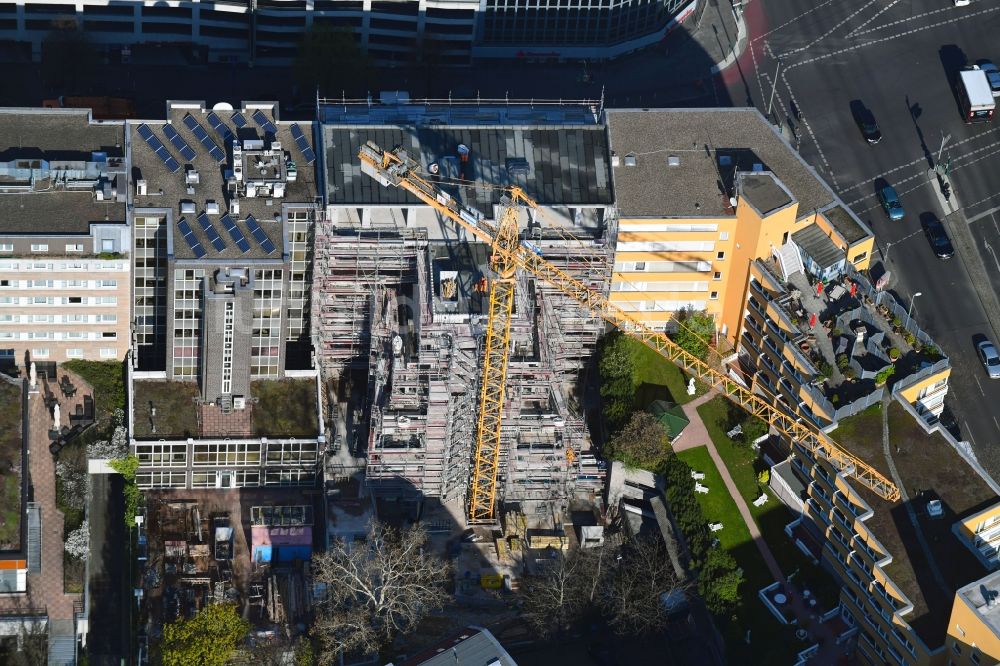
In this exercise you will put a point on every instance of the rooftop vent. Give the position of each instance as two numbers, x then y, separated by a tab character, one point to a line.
518	166
188	208
674	160
725	160
140	188
615	160
191	177
630	160
212	207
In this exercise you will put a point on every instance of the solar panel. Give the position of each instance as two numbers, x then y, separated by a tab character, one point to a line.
239	120
303	144
158	147
234	231
265	124
259	235
199	132
179	143
185	229
213	235
220	128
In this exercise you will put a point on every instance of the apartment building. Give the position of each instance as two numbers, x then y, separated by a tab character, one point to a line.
224	204
64	238
400	301
441	31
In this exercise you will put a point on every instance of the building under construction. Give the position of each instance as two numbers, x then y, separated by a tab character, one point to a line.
401	295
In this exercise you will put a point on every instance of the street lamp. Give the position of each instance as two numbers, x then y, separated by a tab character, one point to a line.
910	310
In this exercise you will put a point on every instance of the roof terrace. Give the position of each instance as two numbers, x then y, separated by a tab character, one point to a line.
928	561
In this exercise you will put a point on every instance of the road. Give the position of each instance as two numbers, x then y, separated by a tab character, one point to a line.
109	640
896	57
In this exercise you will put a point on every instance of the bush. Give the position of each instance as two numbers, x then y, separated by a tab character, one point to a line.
883	375
719	582
695	332
893	354
909	338
825	369
897	322
133	496
836	332
932	352
843	362
615	369
108	380
642	443
851	374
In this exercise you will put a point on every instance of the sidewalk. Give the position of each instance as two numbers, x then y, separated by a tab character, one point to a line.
696	434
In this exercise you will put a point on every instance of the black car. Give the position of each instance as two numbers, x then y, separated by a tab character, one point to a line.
938	238
866	122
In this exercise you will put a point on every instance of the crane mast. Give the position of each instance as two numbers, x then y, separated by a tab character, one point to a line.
397	169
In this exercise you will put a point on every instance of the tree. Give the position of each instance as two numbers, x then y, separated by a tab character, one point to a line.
330	59
634	598
643	443
695	332
719	582
616	368
207	639
78	542
375	590
573	584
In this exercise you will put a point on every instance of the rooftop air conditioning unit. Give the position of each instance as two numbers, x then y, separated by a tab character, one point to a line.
276	146
253	144
191	177
279	189
188	208
239	403
234	206
212	207
140	188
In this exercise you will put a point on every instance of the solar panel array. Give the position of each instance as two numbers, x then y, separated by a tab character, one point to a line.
179	143
265	124
303	144
185	229
234	231
259	235
213	235
239	120
158	147
192	124
220	128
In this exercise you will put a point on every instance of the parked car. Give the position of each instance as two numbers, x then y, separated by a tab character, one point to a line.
866	122
992	75
990	358
890	203
962	3
938	238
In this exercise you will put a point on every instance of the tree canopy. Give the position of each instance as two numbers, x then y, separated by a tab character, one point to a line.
207	639
695	332
643	443
616	369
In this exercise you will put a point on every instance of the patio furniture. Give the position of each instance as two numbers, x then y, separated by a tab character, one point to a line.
715	527
697	476
760	501
698	488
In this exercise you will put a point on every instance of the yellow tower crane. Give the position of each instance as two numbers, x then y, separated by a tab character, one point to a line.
396	168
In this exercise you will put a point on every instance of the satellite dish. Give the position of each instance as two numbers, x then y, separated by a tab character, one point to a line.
223	106
732	201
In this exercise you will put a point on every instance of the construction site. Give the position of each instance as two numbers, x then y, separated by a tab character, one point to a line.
401	303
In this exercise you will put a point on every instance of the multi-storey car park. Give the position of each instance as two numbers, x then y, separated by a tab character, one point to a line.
64	238
442	31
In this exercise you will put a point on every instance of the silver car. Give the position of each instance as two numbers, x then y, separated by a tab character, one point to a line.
990	358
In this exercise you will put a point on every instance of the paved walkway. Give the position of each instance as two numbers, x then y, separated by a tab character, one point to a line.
45	588
823	633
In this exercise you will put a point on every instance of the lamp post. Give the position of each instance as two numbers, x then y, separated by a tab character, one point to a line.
910	310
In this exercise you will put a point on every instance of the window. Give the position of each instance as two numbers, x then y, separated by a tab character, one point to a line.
720	256
39	247
39	353
714	296
974	655
640	265
107	319
40	300
107	283
859	257
108	352
4	283
109	335
955	648
74	247
724	235
717	275
107	300
107	245
74	300
6	247
74	353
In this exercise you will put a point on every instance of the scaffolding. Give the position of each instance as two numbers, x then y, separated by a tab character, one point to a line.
381	307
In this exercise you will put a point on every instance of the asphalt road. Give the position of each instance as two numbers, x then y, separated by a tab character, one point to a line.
896	57
109	640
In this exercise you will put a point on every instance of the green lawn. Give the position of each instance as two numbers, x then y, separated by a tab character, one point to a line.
108	380
285	408
716	504
652	373
10	466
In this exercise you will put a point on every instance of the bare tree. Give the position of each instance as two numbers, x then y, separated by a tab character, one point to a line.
375	590
557	597
637	585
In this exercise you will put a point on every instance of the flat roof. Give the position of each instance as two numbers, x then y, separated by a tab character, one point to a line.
556	165
168	190
979	594
929	469
473	646
846	223
708	146
763	192
977	87
56	135
814	241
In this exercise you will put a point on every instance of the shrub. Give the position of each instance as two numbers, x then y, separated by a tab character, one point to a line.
836	332
133	496
850	374
897	322
883	375
843	362
825	369
910	338
932	352
893	353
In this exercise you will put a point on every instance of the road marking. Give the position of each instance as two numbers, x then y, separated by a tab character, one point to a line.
792	20
805	121
979	385
877	14
886	38
911	18
989	248
756	71
997	422
831	30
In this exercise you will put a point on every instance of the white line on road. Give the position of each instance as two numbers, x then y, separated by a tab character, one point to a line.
989	248
979	216
805	121
793	20
910	18
831	30
877	14
980	386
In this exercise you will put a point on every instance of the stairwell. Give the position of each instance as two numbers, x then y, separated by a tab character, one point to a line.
789	259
